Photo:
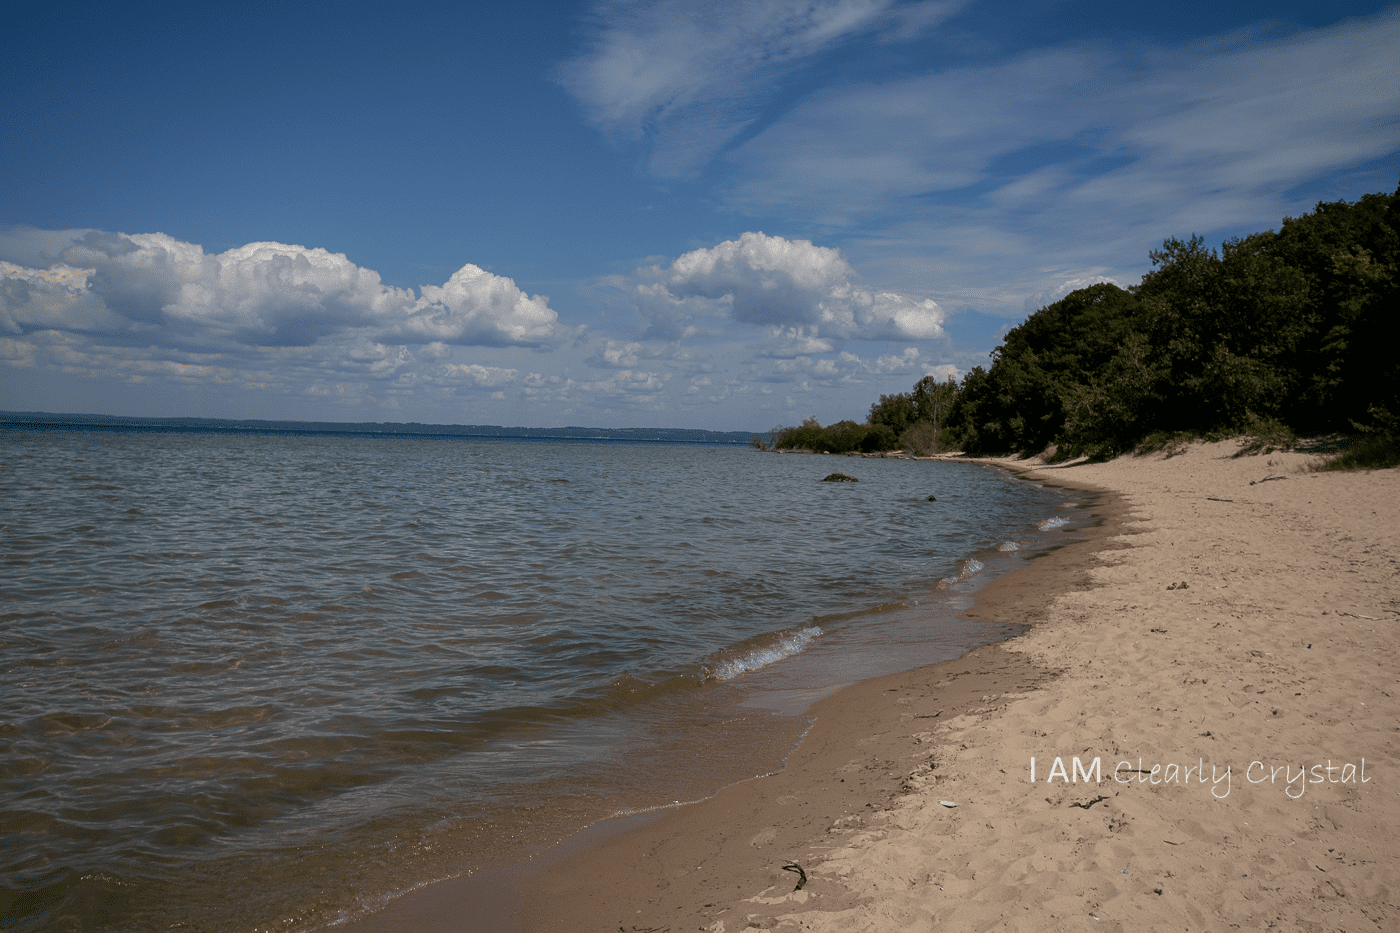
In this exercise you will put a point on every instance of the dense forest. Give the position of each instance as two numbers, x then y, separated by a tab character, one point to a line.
1279	333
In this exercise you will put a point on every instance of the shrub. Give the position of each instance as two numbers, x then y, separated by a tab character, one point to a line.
1266	435
1374	452
922	439
839	438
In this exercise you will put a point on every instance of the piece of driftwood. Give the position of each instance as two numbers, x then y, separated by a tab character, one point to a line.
801	875
1085	806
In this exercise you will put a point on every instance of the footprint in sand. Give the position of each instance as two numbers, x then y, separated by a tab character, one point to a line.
764	837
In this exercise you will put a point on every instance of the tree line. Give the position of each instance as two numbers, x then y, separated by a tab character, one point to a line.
910	421
1281	332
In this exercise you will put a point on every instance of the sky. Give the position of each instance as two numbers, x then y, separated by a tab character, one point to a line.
712	215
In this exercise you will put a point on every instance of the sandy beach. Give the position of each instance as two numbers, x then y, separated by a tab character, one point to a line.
1198	733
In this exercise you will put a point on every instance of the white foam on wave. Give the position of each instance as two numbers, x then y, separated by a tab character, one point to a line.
1049	523
786	646
1008	546
970	566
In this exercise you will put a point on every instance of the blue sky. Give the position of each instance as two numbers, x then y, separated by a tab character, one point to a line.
714	215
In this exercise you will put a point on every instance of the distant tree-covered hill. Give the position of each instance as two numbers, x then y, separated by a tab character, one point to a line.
256	426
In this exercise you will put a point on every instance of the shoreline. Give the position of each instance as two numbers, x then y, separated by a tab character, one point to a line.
491	901
847	773
1222	621
1213	620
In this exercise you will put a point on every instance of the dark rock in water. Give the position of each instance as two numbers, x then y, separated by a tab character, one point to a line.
933	498
840	478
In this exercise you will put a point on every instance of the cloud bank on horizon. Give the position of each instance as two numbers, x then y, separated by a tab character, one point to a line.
928	172
293	321
260	294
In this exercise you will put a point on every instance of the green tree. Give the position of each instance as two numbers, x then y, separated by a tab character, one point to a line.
1105	414
1018	405
1292	327
916	417
897	412
932	400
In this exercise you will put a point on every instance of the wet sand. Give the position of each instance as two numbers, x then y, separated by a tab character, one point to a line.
1200	702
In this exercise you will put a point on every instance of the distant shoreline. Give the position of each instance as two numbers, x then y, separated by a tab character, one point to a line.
55	421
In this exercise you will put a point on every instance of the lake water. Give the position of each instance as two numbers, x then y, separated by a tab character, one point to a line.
267	682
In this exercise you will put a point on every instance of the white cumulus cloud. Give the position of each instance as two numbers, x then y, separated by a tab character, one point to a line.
257	295
478	307
772	281
283	321
1051	295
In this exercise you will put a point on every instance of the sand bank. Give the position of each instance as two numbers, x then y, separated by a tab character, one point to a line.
1207	677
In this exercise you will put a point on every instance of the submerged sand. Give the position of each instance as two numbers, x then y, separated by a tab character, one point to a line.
1220	657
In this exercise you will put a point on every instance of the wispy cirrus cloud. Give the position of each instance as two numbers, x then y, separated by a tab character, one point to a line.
1099	125
689	77
1068	162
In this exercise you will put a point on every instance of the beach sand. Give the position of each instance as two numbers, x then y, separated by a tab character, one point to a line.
1230	623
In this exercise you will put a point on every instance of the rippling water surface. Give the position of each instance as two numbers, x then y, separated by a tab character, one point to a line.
258	682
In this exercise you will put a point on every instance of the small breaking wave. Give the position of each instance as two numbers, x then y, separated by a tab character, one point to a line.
1049	523
753	656
970	566
1009	546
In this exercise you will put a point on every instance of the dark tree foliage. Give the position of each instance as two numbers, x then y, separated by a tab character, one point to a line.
969	412
1290	327
909	419
897	412
1019	405
839	438
929	401
1348	255
917	418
